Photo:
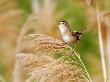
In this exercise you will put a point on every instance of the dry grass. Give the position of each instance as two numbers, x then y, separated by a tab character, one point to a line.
98	22
45	59
9	12
106	19
36	57
101	45
2	79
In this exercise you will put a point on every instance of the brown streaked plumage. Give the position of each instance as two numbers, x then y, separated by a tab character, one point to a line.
68	35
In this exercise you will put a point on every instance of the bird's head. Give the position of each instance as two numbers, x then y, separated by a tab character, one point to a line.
63	25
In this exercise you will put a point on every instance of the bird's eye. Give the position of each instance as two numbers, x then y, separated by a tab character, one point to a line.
63	23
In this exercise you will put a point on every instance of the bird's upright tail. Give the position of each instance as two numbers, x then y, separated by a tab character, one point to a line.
83	29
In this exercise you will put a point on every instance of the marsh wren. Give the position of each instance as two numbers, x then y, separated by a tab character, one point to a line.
69	36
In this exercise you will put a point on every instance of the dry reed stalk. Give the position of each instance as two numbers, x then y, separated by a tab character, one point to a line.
40	19
2	79
9	12
10	15
8	29
45	59
101	44
106	19
41	56
26	27
35	7
108	52
7	5
48	18
87	2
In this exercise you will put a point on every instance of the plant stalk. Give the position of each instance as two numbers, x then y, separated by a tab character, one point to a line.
101	45
108	52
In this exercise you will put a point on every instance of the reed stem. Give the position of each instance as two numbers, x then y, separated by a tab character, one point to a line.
101	45
108	52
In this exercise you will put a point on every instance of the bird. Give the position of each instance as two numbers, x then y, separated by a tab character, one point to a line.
69	36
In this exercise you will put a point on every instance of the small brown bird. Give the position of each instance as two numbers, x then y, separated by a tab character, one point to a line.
69	36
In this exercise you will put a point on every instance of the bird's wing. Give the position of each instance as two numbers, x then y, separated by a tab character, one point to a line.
77	35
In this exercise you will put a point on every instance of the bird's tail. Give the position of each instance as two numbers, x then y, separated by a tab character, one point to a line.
83	29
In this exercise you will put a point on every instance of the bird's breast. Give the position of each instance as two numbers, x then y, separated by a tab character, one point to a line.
69	39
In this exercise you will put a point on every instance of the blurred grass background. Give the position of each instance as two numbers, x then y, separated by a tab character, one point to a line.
14	14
